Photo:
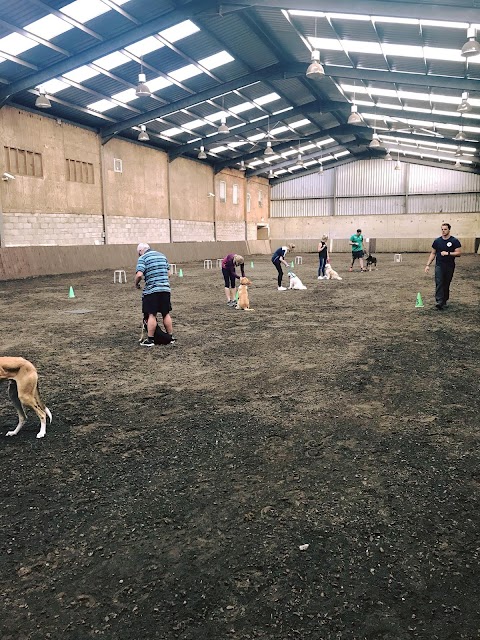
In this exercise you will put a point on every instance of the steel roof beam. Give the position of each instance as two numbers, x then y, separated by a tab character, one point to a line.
314	155
189	10
219	138
464	10
398	77
311	170
197	98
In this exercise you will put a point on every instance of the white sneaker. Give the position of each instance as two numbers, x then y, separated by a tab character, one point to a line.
282	288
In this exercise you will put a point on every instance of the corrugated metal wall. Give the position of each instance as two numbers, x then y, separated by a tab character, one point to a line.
375	187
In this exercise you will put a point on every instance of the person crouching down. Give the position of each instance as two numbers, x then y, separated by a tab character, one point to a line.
154	268
230	275
278	258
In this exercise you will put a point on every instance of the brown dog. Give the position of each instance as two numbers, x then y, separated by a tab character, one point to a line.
23	391
243	302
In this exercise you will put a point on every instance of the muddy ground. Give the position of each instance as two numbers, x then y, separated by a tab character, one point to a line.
177	485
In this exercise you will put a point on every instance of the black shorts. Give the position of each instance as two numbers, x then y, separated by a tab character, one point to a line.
159	302
357	254
229	279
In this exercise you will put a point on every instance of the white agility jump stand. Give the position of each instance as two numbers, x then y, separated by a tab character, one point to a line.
219	262
120	273
298	260
207	264
397	257
173	268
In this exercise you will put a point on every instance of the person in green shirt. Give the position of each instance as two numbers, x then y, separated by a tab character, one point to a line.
357	249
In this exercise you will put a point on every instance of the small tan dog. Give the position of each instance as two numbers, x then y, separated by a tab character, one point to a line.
243	302
23	391
331	274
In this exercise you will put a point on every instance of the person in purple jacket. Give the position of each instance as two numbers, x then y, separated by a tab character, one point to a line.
230	275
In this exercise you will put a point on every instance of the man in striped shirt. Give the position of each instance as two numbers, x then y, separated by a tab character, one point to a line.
153	267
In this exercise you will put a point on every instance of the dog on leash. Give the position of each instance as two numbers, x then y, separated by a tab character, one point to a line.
331	274
159	337
371	262
23	391
295	282
243	301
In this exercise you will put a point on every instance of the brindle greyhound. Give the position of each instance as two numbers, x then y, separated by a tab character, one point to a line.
23	391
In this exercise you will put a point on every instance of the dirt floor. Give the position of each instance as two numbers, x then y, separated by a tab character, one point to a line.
309	470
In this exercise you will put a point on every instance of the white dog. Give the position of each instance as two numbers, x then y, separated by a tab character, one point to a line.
295	282
331	274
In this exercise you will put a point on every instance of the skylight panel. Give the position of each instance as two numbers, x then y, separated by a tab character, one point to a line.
102	105
278	130
174	131
216	60
290	152
115	59
15	43
147	45
219	149
438	53
255	163
325	43
125	96
54	86
194	124
299	123
257	136
309	163
349	16
240	108
48	27
237	143
307	147
308	14
270	97
395	20
184	73
85	10
179	31
442	23
217	116
390	93
155	84
404	50
361	46
326	141
281	171
81	74
343	153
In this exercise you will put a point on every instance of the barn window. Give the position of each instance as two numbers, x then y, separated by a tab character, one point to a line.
21	162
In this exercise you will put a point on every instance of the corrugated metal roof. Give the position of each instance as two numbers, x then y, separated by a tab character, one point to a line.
257	37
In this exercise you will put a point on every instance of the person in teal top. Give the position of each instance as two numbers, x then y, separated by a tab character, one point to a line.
357	249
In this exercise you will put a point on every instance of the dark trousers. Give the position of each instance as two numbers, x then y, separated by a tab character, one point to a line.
443	278
278	267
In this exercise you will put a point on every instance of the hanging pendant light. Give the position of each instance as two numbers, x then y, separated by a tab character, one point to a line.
315	70
458	152
268	149
471	48
354	118
464	106
242	165
142	89
143	135
398	166
460	137
201	154
320	169
388	157
458	164
42	102
223	128
271	174
375	143
300	162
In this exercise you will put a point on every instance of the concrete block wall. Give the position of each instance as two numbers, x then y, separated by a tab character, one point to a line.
192	231
230	230
128	230
26	229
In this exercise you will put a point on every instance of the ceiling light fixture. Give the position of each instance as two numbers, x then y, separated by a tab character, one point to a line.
201	154
471	47
300	162
143	135
458	164
223	128
315	70
375	143
268	149
320	169
42	101
388	157
242	165
458	152
142	89
354	118
460	137
464	106
271	174
398	166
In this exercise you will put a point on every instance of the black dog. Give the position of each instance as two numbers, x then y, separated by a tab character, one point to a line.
160	337
371	261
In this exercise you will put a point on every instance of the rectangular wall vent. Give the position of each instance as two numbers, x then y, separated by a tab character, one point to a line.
117	165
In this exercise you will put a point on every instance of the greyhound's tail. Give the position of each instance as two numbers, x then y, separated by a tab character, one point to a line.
41	404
